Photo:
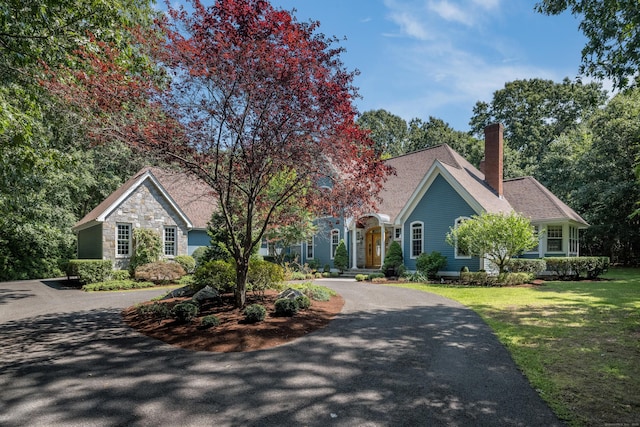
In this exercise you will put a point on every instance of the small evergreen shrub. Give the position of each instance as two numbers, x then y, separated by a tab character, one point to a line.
317	275
573	267
361	277
89	270
286	307
156	310
481	278
326	274
220	275
341	257
117	285
263	275
327	268
187	262
393	260
160	272
514	279
120	275
430	264
184	312
210	321
254	313
379	280
375	276
199	256
303	301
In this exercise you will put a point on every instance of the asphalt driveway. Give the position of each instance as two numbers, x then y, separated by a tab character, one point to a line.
393	357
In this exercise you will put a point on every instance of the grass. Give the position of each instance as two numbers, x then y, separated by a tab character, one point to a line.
578	343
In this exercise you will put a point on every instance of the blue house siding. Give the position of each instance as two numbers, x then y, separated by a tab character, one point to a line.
438	210
196	239
322	240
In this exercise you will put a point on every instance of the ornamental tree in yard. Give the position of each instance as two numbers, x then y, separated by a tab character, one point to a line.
259	106
496	237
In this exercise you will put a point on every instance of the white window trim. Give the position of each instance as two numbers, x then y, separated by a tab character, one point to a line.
536	231
175	241
457	222
312	239
561	238
397	234
130	227
411	239
333	232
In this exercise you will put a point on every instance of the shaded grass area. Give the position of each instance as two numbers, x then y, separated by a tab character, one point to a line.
578	343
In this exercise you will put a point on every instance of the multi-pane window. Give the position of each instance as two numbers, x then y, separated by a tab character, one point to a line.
554	238
397	233
123	239
310	248
461	252
170	241
416	239
574	241
335	240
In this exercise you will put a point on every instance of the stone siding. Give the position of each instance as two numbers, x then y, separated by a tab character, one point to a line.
147	208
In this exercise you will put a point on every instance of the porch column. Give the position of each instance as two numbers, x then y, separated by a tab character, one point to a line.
354	246
382	244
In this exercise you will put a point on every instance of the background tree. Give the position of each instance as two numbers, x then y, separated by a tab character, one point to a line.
534	113
387	130
612	29
496	237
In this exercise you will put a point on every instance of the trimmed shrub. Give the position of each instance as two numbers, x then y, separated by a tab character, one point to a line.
210	321
524	265
286	307
341	257
254	313
393	260
160	272
264	275
184	312
89	270
361	277
514	279
220	275
199	256
430	264
314	264
156	310
187	262
375	276
379	280
117	285
572	267
303	301
120	275
481	278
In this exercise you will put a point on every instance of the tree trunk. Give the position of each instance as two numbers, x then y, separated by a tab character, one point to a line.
240	293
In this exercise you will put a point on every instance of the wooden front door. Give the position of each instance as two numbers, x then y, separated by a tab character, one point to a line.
373	247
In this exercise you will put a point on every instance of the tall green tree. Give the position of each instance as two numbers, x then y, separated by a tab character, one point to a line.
612	29
535	112
387	130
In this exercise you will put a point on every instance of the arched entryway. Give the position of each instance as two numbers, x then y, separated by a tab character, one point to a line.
373	248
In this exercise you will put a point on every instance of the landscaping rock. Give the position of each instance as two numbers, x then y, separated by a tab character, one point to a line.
290	293
184	291
205	293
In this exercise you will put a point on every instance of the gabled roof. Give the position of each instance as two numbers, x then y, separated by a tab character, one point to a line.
416	170
191	198
535	201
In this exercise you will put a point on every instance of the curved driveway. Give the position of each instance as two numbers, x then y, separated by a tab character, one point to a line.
393	357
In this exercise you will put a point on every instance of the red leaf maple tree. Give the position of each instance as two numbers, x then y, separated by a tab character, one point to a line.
260	107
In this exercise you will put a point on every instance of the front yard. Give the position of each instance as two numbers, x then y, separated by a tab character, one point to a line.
577	342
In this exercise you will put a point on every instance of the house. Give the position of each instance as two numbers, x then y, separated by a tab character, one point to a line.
432	191
177	206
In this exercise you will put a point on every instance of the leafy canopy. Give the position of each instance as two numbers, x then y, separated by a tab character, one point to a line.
496	237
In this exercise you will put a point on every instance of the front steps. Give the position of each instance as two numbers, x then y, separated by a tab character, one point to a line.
351	274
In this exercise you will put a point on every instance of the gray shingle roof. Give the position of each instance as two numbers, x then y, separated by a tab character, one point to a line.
192	196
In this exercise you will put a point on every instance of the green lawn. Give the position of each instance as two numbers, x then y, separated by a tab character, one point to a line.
577	342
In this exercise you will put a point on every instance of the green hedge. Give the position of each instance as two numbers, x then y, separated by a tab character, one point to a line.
89	270
526	265
117	285
575	267
482	278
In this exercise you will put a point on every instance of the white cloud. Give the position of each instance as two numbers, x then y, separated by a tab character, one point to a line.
451	12
410	26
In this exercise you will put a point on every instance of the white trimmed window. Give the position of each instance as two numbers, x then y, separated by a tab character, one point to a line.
459	252
416	239
310	248
397	233
554	238
123	240
574	241
335	240
170	241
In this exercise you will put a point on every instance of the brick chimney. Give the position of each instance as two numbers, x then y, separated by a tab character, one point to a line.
493	151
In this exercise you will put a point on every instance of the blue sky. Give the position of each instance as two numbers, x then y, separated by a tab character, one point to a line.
421	58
